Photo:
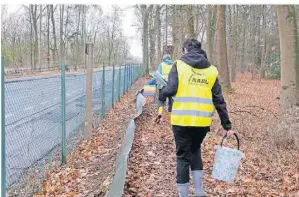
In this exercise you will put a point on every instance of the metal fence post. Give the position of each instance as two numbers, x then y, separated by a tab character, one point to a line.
119	81
88	101
139	71
63	119
3	166
103	92
135	73
125	79
113	74
128	77
131	74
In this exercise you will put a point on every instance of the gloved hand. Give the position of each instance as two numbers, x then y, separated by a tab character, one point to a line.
169	117
229	132
158	119
141	91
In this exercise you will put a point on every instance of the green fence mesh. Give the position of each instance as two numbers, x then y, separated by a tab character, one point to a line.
33	120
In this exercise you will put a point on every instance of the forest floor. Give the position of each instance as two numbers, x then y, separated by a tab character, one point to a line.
268	138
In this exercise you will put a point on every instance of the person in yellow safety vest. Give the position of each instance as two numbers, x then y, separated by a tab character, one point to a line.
193	82
164	68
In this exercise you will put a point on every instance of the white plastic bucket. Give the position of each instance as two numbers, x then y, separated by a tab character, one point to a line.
227	161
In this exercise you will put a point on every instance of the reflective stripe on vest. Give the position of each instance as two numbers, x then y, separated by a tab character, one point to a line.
165	70
192	113
193	100
193	104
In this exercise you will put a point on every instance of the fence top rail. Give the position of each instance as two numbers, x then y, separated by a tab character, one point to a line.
53	76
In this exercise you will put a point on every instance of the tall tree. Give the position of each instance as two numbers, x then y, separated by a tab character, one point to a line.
233	43
152	40
48	36
264	45
40	36
222	48
174	29
158	32
145	10
61	32
243	39
296	33
190	23
77	36
209	33
287	57
33	9
54	50
31	40
258	55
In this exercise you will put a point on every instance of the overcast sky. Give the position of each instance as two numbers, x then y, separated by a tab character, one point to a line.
128	29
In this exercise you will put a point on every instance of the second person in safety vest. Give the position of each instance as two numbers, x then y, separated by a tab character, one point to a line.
164	68
193	82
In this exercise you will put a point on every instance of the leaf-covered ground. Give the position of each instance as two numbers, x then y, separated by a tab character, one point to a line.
90	166
268	139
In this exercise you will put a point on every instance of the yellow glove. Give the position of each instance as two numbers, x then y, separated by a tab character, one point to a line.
160	111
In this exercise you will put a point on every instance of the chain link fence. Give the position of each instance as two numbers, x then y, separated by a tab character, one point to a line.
33	120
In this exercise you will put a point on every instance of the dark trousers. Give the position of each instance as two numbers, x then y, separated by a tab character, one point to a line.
162	100
188	152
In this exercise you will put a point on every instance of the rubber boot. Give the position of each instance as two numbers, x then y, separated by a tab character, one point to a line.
197	177
183	189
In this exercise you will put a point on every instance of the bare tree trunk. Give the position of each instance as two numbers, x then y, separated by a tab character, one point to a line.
54	33
34	20
288	61
166	25
214	21
77	41
83	38
40	37
243	40
233	44
65	29
175	41
61	33
145	14
258	59
252	38
152	41
209	33
48	37
264	46
159	33
145	41
221	48
31	41
296	33
190	23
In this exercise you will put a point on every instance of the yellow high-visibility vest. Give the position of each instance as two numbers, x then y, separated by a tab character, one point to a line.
193	105
165	70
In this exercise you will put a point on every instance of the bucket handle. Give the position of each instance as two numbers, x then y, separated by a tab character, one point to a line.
238	141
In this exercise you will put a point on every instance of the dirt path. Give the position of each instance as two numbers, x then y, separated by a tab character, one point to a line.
266	170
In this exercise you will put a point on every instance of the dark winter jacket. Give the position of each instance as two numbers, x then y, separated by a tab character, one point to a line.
196	59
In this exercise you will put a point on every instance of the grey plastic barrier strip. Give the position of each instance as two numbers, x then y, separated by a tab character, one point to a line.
117	187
